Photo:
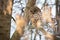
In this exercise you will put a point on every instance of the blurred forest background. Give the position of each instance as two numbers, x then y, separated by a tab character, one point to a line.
29	19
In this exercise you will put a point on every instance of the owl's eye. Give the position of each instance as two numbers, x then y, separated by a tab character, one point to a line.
35	10
31	11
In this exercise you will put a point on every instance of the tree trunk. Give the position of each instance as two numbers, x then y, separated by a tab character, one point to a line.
5	19
58	18
58	14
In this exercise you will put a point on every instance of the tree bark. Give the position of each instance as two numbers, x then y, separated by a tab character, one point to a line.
5	19
58	18
58	14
